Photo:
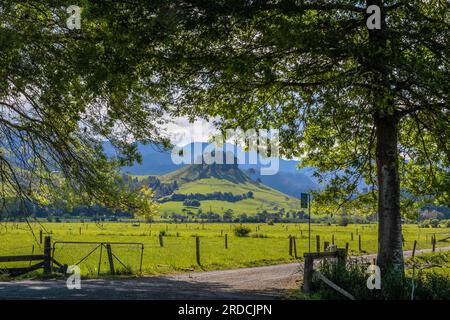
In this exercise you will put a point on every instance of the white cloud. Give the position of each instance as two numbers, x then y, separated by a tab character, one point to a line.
183	132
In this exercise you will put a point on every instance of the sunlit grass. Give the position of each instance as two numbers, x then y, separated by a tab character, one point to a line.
178	253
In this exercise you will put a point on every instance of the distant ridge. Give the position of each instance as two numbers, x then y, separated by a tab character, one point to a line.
201	181
192	172
156	161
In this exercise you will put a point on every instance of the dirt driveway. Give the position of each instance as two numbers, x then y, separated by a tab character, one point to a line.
250	283
261	283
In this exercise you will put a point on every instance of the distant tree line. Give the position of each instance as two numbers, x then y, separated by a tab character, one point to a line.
431	211
222	196
15	209
230	216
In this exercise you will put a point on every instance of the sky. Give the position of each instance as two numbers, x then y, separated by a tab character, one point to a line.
182	132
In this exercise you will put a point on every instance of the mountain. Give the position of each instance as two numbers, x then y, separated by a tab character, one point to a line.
221	187
193	172
289	179
155	160
291	183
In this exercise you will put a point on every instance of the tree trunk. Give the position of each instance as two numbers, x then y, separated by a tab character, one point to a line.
390	252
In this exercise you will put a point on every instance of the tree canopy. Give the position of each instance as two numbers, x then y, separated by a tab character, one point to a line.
61	96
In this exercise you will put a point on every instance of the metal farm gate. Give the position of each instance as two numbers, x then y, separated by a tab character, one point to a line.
121	257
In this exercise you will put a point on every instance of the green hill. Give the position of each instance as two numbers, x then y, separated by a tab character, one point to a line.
207	179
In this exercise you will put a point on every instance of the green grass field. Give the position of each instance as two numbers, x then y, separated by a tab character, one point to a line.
265	198
178	253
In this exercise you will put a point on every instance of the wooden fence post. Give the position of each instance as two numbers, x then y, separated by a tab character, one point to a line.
308	273
359	243
414	248
290	246
317	243
346	247
110	259
32	252
351	236
197	250
161	240
47	254
100	259
332	239
40	236
294	242
433	242
226	241
325	245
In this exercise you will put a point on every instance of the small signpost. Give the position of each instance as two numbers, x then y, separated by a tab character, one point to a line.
305	202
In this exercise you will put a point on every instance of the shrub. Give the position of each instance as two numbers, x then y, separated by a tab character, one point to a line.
343	221
429	223
191	203
424	224
434	223
241	231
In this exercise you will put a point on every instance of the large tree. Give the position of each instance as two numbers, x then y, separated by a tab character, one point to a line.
353	102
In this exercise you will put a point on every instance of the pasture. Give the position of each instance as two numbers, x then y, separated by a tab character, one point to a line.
264	198
266	244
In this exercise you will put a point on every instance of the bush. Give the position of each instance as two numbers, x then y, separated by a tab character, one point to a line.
434	223
241	231
429	223
343	221
191	203
424	224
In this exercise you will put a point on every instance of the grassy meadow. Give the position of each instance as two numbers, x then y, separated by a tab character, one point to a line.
266	244
265	198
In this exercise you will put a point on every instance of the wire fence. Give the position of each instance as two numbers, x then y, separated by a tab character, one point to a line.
217	247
